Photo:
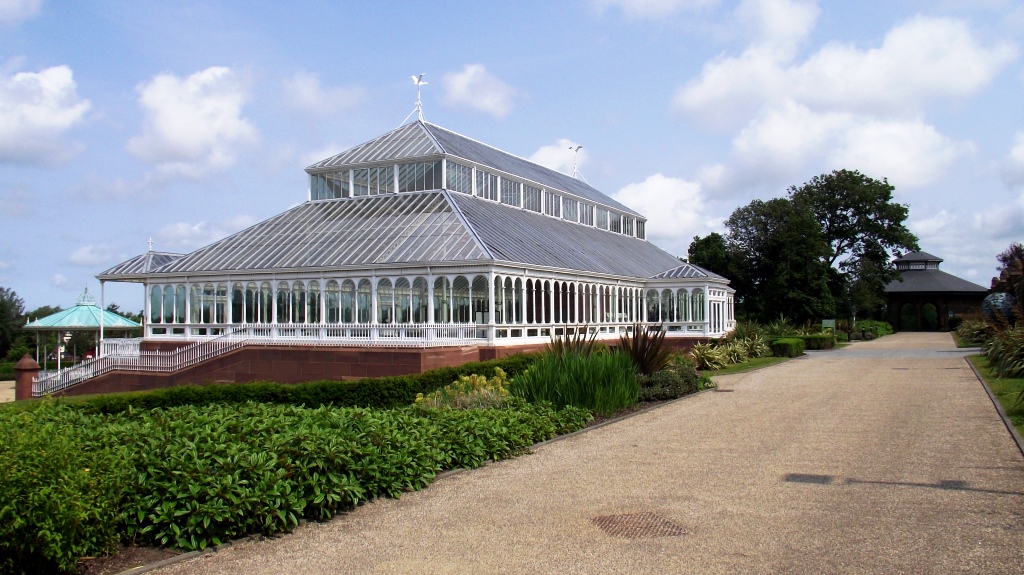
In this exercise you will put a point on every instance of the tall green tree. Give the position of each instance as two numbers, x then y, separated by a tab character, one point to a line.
12	309
780	252
711	253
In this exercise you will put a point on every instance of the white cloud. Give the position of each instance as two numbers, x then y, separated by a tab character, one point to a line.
59	281
1013	171
675	208
778	25
94	255
193	125
304	92
476	88
36	108
560	156
185	237
651	8
322	153
5	266
14	12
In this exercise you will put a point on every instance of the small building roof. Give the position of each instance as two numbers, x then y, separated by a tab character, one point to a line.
932	281
918	257
85	315
687	271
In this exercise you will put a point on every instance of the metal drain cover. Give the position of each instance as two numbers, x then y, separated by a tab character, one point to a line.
636	525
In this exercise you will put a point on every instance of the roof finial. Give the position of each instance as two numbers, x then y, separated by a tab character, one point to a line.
575	160
418	110
150	242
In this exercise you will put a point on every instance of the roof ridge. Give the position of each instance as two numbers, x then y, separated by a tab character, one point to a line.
465	222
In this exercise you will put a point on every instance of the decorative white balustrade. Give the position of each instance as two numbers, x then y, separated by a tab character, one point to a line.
127	355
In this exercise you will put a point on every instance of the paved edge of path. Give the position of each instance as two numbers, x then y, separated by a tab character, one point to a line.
999	408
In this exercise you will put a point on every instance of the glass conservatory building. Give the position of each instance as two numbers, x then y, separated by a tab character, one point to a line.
423	237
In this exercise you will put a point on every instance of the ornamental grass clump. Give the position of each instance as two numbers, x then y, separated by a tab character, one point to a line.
603	382
1005	353
708	357
470	392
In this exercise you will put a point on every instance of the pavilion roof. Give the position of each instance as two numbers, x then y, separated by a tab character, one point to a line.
85	315
687	270
932	281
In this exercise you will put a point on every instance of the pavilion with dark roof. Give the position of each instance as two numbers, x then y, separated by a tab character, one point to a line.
926	297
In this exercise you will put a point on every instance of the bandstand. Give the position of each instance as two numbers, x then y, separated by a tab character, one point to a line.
424	238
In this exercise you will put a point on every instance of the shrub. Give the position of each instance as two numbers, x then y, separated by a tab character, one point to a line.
876	328
579	343
755	346
747	330
469	392
788	347
604	382
676	380
974	331
708	357
1005	352
954	322
379	392
735	352
646	349
819	341
781	327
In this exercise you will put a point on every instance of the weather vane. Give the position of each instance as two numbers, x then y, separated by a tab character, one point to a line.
575	158
418	110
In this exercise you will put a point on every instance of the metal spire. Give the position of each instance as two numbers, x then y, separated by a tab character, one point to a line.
418	110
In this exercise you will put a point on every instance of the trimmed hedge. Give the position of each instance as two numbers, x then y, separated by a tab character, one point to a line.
819	341
375	392
787	347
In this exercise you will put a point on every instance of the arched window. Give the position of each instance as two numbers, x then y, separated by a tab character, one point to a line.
547	301
480	295
196	305
652	305
442	300
668	306
518	303
155	301
168	315
363	302
403	306
683	304
697	305
208	296
499	307
348	301
510	301
460	300
237	303
385	301
529	301
179	304
571	301
266	314
283	303
331	299
419	302
221	304
298	303
252	302
313	302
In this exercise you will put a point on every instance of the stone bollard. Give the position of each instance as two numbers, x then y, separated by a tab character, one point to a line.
25	370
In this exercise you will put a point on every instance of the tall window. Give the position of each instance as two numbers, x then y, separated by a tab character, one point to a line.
570	210
460	178
403	310
587	214
641	231
511	192
460	300
385	301
267	303
420	176
313	302
602	218
531	198
418	301
348	301
486	185
333	309
363	301
298	303
627	226
237	303
481	308
697	305
442	300
615	223
552	204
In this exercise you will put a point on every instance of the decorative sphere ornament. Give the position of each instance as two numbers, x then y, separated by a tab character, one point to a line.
999	307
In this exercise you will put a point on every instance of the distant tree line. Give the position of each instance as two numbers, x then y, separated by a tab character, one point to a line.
824	251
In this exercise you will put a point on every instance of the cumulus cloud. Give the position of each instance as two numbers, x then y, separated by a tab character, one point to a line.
476	88
676	208
304	92
193	125
5	266
651	8
14	12
59	281
185	237
560	156
843	106
36	109
95	255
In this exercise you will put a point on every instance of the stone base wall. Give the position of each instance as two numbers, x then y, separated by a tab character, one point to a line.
295	364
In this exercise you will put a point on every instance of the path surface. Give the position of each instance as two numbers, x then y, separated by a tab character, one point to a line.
885	457
6	391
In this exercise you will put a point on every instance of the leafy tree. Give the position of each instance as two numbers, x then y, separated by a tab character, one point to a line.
781	267
1011	271
711	253
12	309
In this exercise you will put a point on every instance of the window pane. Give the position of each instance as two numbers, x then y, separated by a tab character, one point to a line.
360	182
570	210
531	198
602	218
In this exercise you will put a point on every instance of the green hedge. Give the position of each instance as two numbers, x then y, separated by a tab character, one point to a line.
878	328
787	347
819	341
376	392
75	483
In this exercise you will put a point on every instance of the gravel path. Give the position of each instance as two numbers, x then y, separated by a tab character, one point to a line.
885	457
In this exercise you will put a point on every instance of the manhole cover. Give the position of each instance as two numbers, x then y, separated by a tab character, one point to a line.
636	525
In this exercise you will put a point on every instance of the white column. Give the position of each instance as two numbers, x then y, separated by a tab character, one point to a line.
99	353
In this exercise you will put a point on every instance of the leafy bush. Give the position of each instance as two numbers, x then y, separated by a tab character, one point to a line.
379	392
788	347
646	349
469	392
974	331
708	357
747	330
676	380
754	346
1005	353
603	382
781	327
58	500
194	476
819	341
735	352
954	322
876	328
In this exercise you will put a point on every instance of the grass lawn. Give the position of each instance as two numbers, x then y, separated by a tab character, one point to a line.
961	342
748	365
1007	390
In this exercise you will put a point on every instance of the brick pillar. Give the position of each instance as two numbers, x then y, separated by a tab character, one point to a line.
25	370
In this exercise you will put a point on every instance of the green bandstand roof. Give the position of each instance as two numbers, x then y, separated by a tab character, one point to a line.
84	316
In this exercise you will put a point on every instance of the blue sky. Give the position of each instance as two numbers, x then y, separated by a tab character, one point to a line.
186	121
